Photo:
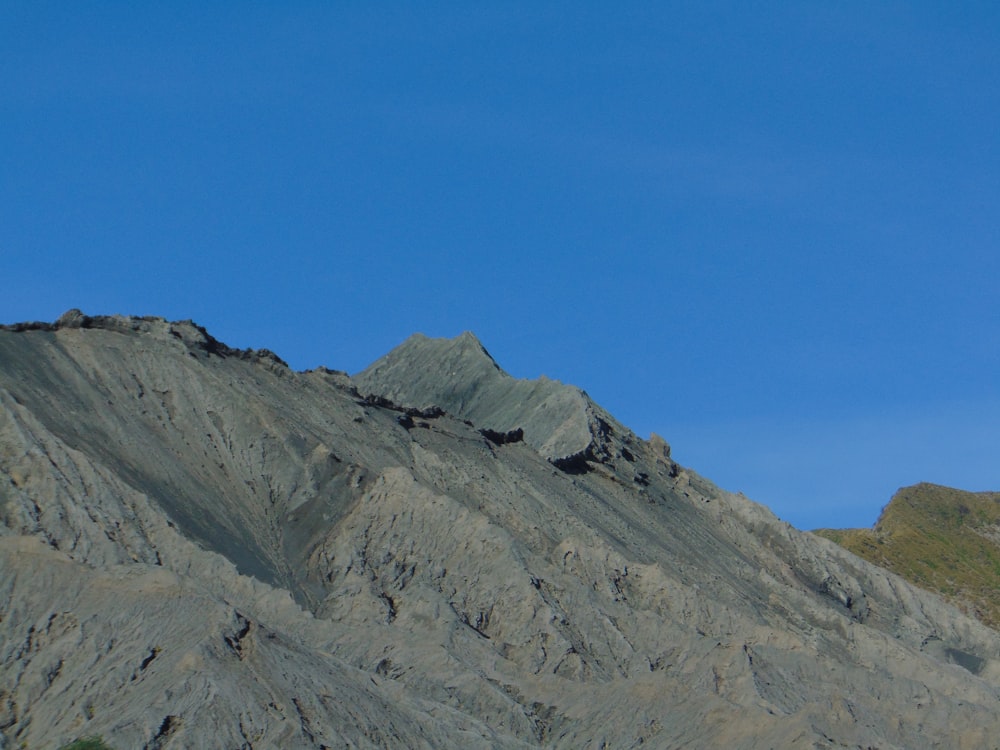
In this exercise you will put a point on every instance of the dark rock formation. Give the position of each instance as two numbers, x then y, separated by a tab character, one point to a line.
502	438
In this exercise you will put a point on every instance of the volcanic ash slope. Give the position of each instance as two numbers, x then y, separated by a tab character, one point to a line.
200	547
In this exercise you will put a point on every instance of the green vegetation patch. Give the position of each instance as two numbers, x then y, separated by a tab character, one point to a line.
941	539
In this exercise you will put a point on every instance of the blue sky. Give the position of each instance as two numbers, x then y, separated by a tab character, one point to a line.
766	231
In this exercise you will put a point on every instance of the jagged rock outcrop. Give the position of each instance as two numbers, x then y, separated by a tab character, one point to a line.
201	547
560	422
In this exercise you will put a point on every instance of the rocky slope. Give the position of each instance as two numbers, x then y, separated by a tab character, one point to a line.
942	539
200	547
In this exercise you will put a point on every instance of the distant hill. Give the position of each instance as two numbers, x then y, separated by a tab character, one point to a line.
942	539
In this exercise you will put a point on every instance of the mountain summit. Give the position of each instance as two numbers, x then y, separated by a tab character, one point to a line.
202	548
460	376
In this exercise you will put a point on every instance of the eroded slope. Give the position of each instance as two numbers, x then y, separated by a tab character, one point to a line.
471	589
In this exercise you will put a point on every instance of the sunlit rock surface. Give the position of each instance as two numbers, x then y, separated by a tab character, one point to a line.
202	548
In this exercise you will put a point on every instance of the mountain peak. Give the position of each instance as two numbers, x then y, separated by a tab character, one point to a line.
460	376
464	351
424	371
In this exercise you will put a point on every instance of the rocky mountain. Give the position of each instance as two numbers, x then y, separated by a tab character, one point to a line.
942	539
200	547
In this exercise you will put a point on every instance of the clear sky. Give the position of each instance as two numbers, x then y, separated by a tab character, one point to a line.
767	231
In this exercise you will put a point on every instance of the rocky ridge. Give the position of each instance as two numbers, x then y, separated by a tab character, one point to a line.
199	545
460	376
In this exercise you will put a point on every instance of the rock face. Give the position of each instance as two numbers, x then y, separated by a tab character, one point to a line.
461	377
200	547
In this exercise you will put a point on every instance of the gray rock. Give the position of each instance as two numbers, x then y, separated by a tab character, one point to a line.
200	547
461	377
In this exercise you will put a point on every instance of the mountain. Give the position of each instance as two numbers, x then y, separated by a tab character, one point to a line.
460	376
942	539
200	547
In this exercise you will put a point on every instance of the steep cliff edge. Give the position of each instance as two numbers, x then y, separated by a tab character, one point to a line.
200	545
